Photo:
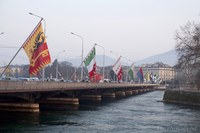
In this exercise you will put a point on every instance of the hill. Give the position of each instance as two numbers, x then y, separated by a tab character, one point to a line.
169	57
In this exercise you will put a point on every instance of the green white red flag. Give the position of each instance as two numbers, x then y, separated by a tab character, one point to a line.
117	68
90	63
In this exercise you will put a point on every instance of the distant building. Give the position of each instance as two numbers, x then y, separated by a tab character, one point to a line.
12	70
163	71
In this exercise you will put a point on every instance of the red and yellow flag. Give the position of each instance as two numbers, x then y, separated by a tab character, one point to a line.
37	50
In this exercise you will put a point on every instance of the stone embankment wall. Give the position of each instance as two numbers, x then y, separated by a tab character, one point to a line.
187	97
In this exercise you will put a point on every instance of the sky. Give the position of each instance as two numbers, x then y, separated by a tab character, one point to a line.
134	29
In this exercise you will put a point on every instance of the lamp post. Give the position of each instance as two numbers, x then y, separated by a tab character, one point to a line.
103	57
57	63
81	54
43	70
114	53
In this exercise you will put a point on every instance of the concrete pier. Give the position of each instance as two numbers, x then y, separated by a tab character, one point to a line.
128	93
67	101
120	94
108	95
134	92
90	98
59	104
140	91
20	107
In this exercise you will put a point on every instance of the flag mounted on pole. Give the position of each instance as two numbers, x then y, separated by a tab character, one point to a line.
131	72
117	68
90	63
36	49
140	75
147	76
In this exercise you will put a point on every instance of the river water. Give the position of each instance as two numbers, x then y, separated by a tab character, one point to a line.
138	114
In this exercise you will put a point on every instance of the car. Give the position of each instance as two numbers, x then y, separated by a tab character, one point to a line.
33	79
23	79
9	79
107	80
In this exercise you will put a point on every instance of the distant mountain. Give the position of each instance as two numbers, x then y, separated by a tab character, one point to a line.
169	58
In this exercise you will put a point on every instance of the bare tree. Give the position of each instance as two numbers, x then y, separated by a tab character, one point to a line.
188	49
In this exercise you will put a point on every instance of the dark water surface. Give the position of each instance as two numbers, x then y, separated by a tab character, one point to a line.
138	114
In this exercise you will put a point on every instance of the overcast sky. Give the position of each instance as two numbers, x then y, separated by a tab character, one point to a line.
134	29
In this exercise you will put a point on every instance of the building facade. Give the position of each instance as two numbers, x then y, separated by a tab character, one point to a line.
164	73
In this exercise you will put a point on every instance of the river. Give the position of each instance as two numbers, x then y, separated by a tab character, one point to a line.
139	114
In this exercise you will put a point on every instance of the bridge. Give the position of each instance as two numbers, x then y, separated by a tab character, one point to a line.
32	96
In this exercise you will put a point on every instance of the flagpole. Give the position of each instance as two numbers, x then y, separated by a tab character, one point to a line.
113	65
81	54
20	49
127	69
103	58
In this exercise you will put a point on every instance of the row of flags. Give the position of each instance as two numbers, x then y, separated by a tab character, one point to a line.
90	63
38	54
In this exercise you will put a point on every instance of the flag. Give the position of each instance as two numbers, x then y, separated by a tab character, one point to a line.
155	77
140	75
131	72
117	68
151	77
98	77
147	76
37	50
90	63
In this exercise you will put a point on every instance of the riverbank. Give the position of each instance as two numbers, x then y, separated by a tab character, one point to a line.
185	97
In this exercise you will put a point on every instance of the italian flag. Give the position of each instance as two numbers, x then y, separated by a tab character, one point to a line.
90	63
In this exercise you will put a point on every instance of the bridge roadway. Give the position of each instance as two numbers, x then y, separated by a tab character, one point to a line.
37	86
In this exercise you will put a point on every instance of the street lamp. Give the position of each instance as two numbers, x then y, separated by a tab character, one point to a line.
57	63
114	53
43	70
81	55
103	57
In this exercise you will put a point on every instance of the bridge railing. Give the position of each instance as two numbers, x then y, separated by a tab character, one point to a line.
48	86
